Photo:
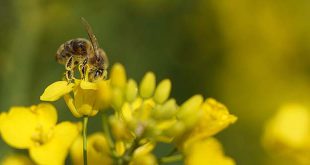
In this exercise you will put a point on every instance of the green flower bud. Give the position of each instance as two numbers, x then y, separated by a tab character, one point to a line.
131	90
147	85
166	111
162	91
190	106
176	130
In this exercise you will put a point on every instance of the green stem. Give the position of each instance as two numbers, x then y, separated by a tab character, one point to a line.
106	130
128	154
85	120
169	159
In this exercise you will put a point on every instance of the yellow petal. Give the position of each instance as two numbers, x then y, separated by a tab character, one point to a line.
207	152
70	103
56	90
47	115
97	147
88	85
85	101
54	152
214	117
18	127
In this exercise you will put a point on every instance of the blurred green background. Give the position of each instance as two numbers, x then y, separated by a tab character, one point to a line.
251	55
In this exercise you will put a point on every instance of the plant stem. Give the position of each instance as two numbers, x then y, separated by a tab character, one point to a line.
106	130
128	155
85	120
169	159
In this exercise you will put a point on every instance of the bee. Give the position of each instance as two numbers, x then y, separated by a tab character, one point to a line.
85	55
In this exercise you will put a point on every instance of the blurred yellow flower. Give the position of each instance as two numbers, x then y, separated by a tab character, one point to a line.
97	147
287	134
35	128
88	97
143	155
16	160
206	152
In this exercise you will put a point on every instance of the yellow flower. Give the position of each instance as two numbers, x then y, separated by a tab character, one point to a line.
288	133
34	128
16	160
206	152
212	118
88	97
97	148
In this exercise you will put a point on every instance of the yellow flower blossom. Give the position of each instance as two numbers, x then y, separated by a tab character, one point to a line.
34	128
212	118
97	147
206	152
16	160
88	97
287	134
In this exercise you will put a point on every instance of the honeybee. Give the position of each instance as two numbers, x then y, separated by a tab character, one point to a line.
91	60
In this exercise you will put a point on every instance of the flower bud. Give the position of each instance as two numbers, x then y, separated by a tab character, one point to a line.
176	130
162	91
118	76
190	106
118	98
104	94
165	111
147	85
131	90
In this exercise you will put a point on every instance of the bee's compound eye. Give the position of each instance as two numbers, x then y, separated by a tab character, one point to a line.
98	73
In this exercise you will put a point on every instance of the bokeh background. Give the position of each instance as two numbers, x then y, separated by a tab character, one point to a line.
251	55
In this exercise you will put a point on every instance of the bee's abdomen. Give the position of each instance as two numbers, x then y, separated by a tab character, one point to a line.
62	54
78	48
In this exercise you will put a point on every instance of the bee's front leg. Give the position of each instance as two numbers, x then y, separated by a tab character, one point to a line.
83	69
69	74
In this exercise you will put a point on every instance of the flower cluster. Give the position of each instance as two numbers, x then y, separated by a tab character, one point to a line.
136	117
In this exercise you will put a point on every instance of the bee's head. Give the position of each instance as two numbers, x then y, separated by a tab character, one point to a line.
97	74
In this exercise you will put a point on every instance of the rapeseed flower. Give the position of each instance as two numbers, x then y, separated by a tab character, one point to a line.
207	119
206	152
84	101
34	128
287	134
98	150
143	115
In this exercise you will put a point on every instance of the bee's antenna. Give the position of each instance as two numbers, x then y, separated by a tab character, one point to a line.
91	35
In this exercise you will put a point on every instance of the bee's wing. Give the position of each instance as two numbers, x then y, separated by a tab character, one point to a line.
91	35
